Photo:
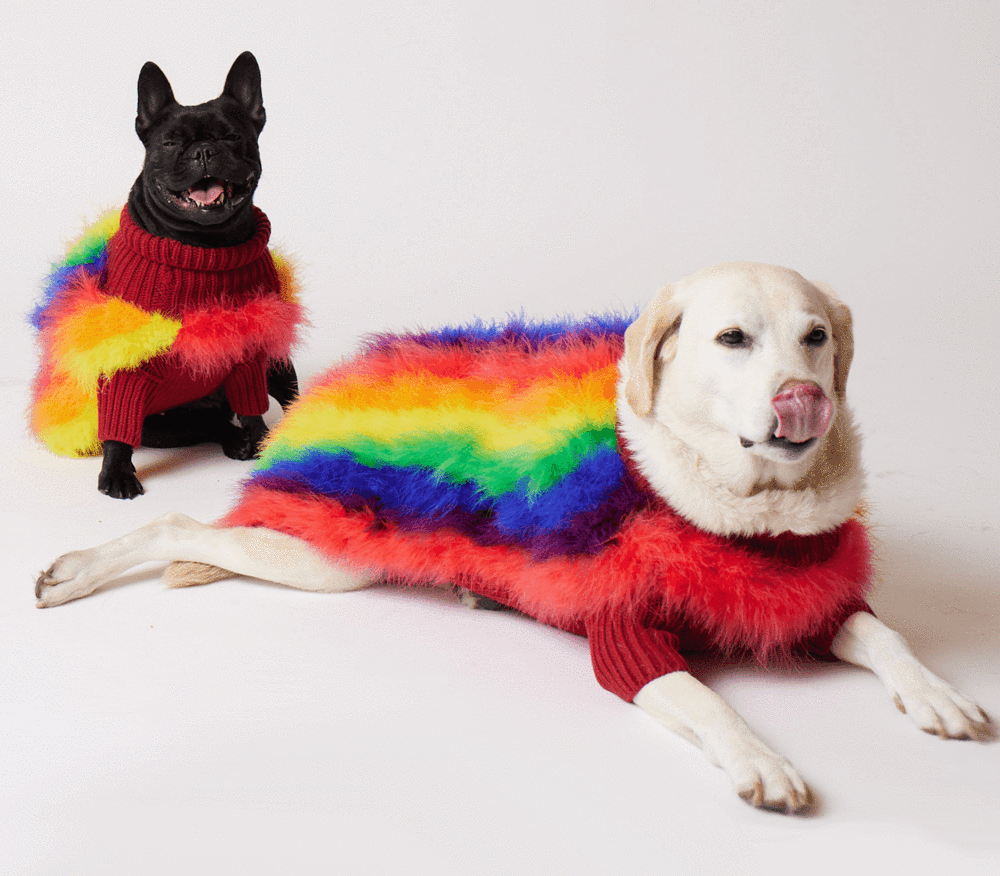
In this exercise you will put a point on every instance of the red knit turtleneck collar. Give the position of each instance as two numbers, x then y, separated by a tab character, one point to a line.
163	251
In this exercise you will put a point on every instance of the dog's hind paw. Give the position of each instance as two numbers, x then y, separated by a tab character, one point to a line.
66	579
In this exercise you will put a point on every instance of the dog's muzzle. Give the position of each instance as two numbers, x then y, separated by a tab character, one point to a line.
803	412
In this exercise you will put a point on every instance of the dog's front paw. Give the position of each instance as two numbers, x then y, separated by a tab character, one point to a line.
66	579
120	485
763	778
936	707
117	478
248	437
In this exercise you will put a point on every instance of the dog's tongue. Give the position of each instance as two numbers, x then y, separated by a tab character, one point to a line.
207	195
803	412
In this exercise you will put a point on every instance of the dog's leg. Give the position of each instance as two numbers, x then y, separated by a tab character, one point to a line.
247	438
282	383
203	421
478	601
117	478
256	552
932	704
687	707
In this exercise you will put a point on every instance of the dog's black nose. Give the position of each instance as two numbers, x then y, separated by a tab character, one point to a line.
201	152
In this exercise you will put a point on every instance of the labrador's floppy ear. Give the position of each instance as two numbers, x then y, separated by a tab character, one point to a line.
644	339
843	336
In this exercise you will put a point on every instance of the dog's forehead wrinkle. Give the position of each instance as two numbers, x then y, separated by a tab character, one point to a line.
217	116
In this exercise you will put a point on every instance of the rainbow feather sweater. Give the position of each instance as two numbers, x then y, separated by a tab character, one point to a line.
487	457
165	301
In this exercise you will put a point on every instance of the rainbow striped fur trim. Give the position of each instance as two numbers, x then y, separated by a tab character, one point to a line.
504	432
84	334
486	456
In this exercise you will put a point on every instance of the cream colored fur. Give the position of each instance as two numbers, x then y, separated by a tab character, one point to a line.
685	403
745	497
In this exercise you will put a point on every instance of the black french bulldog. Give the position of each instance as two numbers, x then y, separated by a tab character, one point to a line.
201	169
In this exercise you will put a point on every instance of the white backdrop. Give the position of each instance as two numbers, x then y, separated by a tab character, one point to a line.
430	162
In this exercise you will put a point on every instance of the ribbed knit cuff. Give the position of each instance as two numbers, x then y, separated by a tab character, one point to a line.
122	402
627	654
246	387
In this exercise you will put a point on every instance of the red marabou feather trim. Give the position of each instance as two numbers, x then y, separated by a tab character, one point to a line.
215	339
744	596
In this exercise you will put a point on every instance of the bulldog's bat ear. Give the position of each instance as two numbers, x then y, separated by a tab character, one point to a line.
243	86
155	95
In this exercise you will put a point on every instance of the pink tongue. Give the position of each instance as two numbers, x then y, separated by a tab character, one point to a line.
205	196
803	412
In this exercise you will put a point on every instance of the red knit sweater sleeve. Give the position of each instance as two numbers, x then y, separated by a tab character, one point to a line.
123	400
246	387
628	652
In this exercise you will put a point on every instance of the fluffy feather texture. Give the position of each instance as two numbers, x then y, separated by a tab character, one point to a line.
87	254
486	456
85	334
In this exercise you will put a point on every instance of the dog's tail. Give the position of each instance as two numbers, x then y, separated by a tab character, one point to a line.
187	574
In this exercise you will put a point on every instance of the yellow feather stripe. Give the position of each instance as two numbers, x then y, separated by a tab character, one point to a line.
499	417
108	337
76	437
65	417
288	288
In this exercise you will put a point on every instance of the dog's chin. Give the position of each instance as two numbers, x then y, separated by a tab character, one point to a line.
781	450
207	201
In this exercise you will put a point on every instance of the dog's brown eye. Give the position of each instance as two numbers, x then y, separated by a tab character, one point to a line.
733	338
816	337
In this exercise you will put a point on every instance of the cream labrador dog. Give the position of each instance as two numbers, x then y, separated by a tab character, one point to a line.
731	399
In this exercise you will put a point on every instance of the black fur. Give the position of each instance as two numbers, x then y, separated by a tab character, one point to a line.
186	145
193	150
